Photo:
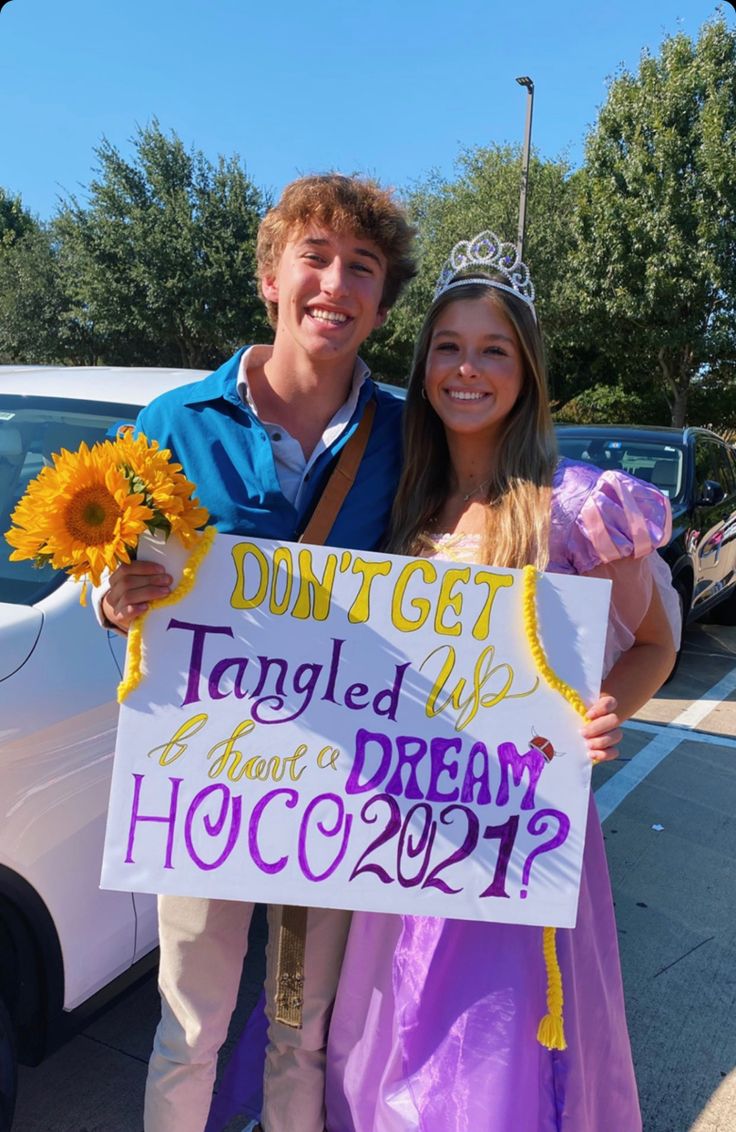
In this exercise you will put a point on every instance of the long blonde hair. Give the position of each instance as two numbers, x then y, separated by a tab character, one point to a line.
517	527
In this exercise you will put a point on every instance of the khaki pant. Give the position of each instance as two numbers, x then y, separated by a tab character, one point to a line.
203	943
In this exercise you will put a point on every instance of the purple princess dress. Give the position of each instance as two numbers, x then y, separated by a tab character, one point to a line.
434	1026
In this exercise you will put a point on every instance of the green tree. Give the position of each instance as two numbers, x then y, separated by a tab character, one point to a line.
15	220
619	404
160	261
657	255
36	325
484	193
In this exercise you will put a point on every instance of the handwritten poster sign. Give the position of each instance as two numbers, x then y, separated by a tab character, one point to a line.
358	730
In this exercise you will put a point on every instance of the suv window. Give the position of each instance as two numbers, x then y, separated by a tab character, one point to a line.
657	463
31	429
725	470
713	462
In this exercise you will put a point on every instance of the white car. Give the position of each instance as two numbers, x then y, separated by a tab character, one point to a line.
62	939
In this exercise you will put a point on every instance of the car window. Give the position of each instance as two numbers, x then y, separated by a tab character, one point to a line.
712	462
655	462
725	470
31	429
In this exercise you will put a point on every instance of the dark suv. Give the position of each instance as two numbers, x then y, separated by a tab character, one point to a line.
697	471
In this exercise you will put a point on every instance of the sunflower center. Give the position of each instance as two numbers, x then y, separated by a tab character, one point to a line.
91	515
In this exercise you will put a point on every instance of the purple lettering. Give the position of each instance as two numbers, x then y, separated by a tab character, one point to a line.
266	663
411	750
387	701
169	819
239	663
213	826
531	763
438	749
506	836
351	696
362	739
199	634
479	778
332	673
341	818
253	829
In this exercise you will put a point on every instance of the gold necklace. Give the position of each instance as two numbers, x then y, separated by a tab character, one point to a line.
475	490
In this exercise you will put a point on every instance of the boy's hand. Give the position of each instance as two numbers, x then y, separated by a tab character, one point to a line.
132	588
602	732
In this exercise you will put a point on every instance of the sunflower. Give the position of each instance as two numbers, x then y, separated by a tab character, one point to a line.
80	515
86	513
170	495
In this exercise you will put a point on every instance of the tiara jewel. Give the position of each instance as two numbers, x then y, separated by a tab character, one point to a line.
486	251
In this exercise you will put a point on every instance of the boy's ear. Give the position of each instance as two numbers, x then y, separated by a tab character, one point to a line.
269	287
381	316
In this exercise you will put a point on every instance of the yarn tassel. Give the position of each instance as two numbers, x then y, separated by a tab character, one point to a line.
551	1031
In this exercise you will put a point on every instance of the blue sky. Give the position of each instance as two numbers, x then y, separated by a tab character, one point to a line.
390	87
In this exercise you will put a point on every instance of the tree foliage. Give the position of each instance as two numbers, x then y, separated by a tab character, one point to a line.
36	326
15	220
615	404
160	260
657	254
484	193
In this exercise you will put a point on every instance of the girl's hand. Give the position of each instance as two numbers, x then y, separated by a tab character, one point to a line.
602	732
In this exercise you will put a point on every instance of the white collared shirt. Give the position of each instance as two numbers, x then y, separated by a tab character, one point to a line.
292	466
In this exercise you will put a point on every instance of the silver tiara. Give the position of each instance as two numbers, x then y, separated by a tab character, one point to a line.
486	251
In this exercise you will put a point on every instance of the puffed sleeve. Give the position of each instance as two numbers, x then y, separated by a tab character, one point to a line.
620	517
612	525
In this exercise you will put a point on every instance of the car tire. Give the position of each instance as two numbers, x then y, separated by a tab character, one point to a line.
725	612
8	1069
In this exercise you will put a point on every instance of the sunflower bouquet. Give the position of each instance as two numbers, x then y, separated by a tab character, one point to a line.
86	512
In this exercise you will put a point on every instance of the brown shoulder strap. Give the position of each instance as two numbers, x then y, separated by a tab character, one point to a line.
292	927
340	481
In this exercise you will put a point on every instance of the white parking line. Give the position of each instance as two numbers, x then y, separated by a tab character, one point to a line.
611	794
685	733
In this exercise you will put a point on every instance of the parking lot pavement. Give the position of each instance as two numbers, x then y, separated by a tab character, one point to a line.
670	803
95	1082
672	856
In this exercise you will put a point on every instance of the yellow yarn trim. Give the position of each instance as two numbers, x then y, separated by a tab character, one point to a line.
551	1032
531	628
134	654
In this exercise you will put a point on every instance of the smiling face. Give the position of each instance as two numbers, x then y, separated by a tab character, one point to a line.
328	288
474	371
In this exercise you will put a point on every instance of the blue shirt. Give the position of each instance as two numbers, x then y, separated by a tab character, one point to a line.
226	452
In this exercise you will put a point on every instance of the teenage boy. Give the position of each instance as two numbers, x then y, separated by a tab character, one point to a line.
259	438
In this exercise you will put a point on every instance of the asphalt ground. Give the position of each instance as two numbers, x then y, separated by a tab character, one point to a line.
668	807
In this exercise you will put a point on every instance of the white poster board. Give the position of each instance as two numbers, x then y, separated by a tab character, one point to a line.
358	730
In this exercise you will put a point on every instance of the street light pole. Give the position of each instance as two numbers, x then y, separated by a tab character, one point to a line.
524	80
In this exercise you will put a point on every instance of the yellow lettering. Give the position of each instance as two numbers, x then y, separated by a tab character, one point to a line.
281	557
359	611
449	600
256	768
315	594
328	757
467	705
174	749
495	582
292	760
221	763
421	605
444	675
238	599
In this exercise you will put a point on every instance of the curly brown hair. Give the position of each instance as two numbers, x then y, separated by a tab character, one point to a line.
341	204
